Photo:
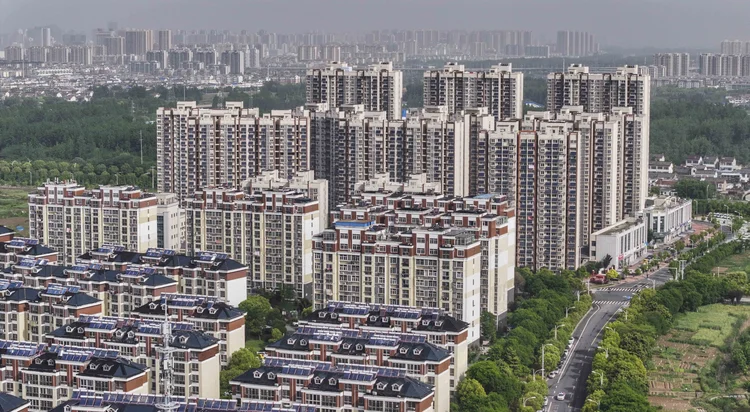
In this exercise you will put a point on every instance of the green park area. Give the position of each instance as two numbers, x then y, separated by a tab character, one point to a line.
734	263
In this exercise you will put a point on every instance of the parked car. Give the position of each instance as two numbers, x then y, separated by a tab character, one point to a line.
560	396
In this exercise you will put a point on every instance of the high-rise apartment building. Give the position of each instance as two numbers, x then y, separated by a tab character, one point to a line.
115	45
201	147
676	64
271	231
138	42
235	60
378	87
349	145
733	47
45	38
627	87
570	174
163	39
72	220
499	89
419	249
576	44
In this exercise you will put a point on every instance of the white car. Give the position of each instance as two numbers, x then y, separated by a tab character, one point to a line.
546	401
571	341
560	396
552	374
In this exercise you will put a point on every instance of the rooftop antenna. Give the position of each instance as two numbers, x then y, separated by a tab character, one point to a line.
168	403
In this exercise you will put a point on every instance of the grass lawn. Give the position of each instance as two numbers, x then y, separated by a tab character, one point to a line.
255	345
14	210
734	262
711	324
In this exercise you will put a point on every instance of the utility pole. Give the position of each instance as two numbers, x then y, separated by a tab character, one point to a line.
153	178
682	269
141	146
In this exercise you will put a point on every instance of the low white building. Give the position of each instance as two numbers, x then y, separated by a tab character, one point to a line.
625	242
668	217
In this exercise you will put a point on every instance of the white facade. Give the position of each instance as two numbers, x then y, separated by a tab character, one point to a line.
170	222
269	230
378	87
499	89
668	217
233	145
72	220
625	242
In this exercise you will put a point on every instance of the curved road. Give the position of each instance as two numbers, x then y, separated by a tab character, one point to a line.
576	368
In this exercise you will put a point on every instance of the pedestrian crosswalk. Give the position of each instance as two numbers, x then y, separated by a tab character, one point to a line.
612	302
636	288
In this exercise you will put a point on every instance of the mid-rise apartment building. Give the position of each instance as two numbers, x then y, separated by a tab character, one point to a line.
435	325
82	401
196	357
48	376
419	249
72	220
209	274
420	359
271	231
15	249
201	147
499	89
317	384
29	314
378	87
217	318
304	181
119	292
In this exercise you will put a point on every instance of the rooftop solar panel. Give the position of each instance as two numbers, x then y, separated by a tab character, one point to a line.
27	263
17	243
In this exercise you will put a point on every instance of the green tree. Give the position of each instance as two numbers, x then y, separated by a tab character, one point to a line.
241	360
488	326
470	394
276	334
257	309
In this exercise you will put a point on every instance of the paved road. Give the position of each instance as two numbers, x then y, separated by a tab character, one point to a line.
608	301
576	368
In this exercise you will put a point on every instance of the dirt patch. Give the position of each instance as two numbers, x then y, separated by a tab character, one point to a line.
12	222
670	404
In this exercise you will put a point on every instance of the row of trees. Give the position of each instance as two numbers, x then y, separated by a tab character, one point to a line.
106	130
618	381
119	171
688	122
508	377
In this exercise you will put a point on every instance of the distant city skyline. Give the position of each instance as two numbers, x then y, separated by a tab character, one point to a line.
667	23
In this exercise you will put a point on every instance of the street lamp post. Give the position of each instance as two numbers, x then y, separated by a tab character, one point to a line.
567	309
601	377
533	374
598	403
528	399
556	327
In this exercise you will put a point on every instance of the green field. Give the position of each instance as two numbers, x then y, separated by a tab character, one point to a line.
712	324
734	263
14	209
684	355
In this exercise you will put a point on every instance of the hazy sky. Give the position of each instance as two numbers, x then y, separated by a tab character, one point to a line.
660	23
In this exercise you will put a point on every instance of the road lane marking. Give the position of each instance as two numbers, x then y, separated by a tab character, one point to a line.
571	352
